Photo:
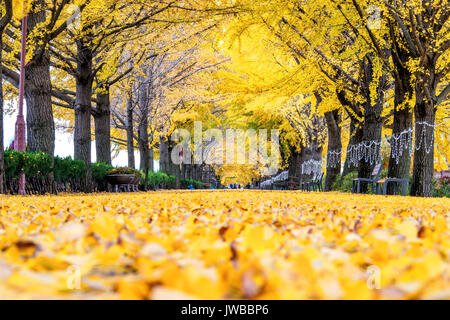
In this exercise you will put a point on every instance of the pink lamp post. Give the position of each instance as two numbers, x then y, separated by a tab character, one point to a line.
19	138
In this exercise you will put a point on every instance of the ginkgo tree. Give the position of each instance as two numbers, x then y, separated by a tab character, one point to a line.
361	53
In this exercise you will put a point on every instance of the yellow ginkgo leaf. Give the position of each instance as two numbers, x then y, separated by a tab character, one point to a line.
104	225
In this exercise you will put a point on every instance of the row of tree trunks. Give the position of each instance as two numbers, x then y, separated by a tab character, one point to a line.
185	171
196	172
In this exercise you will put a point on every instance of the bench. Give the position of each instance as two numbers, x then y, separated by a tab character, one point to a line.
385	182
306	186
316	184
292	184
356	188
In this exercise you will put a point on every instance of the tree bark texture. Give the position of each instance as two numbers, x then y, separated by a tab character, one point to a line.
423	168
102	119
130	134
38	88
402	118
83	106
334	145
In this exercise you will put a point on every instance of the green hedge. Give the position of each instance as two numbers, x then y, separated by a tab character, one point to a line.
41	165
190	182
344	184
66	170
100	170
158	180
34	165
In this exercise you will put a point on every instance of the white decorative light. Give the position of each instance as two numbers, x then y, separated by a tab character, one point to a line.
369	151
312	167
400	142
334	159
423	136
281	177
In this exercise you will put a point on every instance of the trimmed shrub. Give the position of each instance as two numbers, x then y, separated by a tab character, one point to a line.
160	180
38	167
66	169
100	170
441	187
344	184
186	183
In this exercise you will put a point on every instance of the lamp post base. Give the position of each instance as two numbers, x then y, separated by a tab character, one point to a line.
22	191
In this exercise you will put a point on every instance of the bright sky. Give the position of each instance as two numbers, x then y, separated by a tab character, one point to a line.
64	144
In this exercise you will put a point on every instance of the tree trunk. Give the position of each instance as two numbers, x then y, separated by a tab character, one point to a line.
171	167
356	129
373	124
295	169
40	122
371	134
144	149
195	172
130	134
6	19
312	153
188	171
102	118
356	137
83	107
334	161
38	89
163	155
422	181
183	171
2	153
400	166
177	169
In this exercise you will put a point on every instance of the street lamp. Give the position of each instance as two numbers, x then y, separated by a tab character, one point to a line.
19	138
